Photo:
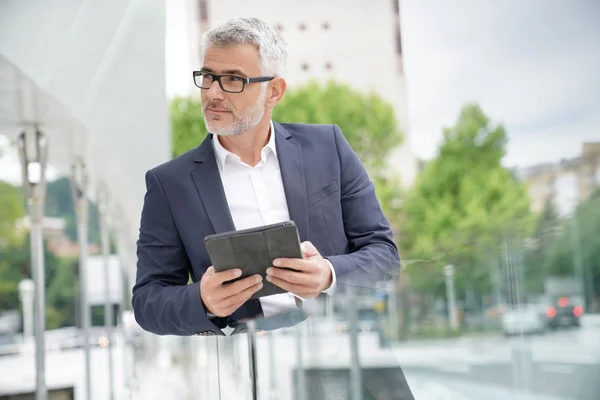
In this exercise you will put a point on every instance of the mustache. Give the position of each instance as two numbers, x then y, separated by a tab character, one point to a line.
218	106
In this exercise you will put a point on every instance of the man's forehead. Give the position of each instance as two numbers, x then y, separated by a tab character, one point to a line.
242	58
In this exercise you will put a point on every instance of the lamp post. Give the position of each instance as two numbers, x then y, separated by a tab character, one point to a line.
449	277
26	295
79	190
33	153
108	310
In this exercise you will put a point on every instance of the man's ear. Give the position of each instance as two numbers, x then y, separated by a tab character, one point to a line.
275	92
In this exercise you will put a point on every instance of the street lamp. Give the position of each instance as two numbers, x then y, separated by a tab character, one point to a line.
79	184
449	277
108	314
33	154
26	295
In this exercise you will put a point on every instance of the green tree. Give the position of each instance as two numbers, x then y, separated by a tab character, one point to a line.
187	124
59	203
12	207
560	259
540	244
461	206
367	121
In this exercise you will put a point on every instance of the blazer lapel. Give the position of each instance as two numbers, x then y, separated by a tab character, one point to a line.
210	187
289	153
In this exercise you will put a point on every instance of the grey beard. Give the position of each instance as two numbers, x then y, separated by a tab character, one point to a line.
247	121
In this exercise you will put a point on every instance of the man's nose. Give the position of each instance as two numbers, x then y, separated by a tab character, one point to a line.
214	91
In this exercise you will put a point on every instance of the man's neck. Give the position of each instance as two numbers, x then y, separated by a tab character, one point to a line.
248	145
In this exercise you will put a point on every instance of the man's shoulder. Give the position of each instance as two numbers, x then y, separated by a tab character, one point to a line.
177	164
310	131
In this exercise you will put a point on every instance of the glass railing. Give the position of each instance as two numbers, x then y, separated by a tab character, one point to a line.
500	340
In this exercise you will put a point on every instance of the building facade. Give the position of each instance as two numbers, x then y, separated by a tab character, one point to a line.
357	42
566	183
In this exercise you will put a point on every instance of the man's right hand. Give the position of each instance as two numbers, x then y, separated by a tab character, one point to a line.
222	300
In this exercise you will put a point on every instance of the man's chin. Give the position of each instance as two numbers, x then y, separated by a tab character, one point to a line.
221	131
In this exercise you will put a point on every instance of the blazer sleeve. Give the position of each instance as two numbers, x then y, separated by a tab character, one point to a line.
372	253
163	301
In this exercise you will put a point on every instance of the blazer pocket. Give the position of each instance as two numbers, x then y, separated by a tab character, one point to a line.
322	194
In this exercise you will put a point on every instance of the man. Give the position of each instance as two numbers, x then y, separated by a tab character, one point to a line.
248	172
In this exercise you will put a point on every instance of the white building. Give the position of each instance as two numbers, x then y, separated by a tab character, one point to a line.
352	41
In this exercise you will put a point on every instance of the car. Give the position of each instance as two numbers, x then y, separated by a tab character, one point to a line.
524	319
564	311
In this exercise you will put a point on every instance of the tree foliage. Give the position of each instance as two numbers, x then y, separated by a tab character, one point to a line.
12	208
559	257
539	245
15	258
59	203
462	205
15	265
367	120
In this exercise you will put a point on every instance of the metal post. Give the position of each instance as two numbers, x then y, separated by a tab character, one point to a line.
301	386
453	315
251	324
108	309
272	366
26	295
393	309
79	188
34	155
356	392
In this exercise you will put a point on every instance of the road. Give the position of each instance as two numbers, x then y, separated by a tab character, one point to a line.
558	365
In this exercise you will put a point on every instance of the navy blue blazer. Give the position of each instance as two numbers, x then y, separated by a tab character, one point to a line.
330	198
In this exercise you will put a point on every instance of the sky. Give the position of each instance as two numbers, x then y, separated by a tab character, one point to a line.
532	65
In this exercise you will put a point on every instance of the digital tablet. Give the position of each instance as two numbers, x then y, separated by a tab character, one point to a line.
253	251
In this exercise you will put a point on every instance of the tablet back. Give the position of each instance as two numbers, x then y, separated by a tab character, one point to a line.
253	251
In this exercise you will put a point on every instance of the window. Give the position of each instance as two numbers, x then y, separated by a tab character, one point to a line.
305	67
302	26
326	25
279	28
328	66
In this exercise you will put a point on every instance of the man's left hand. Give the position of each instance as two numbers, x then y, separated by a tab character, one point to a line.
312	273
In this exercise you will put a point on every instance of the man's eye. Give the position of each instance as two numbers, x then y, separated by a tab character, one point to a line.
232	78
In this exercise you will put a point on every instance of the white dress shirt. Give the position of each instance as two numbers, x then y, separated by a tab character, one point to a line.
256	197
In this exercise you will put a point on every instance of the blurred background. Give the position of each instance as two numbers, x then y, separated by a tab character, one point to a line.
479	122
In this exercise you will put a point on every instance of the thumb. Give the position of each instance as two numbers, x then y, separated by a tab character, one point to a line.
210	271
308	249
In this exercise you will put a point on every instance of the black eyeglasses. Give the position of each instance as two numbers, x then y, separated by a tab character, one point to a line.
228	83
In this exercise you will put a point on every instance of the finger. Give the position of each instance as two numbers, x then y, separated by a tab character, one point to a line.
308	249
227	275
298	290
299	278
210	271
240	298
294	263
237	287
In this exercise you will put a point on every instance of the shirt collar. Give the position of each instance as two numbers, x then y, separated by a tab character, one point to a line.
221	153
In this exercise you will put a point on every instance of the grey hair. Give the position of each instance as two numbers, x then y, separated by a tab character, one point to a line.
272	49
